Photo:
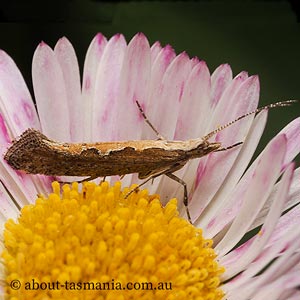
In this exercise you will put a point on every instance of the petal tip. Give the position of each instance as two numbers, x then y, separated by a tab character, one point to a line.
100	38
139	37
42	44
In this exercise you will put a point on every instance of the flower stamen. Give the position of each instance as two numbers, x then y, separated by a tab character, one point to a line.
87	243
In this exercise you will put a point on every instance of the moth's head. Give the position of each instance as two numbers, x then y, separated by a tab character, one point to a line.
203	148
209	147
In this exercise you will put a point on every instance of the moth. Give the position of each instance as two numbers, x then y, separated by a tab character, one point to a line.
34	153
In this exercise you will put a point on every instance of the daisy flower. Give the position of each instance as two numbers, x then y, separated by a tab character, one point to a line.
90	241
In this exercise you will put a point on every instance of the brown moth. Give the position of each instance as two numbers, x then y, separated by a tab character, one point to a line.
34	153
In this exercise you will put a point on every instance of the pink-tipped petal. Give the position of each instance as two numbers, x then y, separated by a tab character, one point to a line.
220	79
259	188
230	207
293	198
195	61
240	97
15	99
50	93
288	222
66	57
211	176
107	85
274	290
134	85
158	69
266	230
294	192
195	104
155	50
209	217
171	92
192	119
91	64
284	250
292	132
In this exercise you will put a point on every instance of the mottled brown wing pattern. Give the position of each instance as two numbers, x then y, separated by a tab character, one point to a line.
36	154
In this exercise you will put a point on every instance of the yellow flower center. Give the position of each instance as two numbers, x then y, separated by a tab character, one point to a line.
98	244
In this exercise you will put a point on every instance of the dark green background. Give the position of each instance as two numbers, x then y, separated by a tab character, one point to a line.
261	37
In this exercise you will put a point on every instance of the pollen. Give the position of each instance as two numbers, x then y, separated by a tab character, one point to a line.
97	243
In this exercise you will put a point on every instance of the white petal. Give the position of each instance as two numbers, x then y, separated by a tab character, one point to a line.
171	92
234	102
155	50
7	208
158	69
107	85
215	211
18	183
194	106
91	64
285	252
15	100
50	93
294	296
266	230
292	132
220	79
232	203
66	57
288	222
134	85
172	89
256	194
293	198
212	173
289	281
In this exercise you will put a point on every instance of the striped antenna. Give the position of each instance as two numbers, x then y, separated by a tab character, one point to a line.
220	128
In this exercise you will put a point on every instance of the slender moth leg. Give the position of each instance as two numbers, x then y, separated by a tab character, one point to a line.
137	187
159	136
185	193
81	181
175	178
10	195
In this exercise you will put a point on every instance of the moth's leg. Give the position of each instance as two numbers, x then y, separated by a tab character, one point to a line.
137	187
80	181
88	179
11	196
185	193
159	136
229	147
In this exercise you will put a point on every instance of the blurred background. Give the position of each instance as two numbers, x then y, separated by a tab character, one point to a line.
261	37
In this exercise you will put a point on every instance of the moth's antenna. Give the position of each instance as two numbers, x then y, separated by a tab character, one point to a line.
220	128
